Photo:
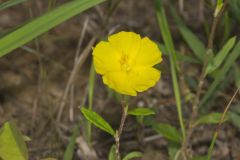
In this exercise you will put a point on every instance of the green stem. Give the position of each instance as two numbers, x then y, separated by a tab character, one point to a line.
90	101
167	38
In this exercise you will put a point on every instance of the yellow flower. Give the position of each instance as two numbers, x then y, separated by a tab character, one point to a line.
126	62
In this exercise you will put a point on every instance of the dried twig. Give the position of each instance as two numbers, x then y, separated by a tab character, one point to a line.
82	58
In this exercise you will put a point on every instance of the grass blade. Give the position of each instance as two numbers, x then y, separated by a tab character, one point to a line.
161	17
10	3
68	154
90	100
43	24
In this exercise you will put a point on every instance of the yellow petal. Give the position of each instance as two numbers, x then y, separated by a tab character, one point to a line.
126	42
105	58
142	78
119	82
149	53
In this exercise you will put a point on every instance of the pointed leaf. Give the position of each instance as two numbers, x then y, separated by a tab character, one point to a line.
112	153
97	120
190	38
212	118
141	112
12	145
193	42
132	155
220	57
168	131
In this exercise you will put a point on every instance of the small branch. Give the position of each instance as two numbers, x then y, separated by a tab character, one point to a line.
195	106
119	131
220	124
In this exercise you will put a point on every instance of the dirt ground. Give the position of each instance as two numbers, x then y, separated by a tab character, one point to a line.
34	78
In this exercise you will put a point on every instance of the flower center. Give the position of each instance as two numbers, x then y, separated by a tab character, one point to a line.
125	63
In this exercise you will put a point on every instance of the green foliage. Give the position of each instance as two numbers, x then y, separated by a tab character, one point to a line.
167	131
180	57
68	154
167	38
132	155
97	120
44	23
230	61
200	158
112	153
193	42
141	112
174	151
211	118
235	119
190	38
12	145
220	57
10	3
235	9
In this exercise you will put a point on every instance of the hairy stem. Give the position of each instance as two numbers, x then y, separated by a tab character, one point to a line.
119	131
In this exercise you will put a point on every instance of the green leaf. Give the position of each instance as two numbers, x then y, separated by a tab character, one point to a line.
44	23
180	56
168	131
200	158
220	57
235	119
68	154
193	42
230	61
12	145
191	39
97	120
112	153
174	151
10	3
141	112
212	118
132	155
